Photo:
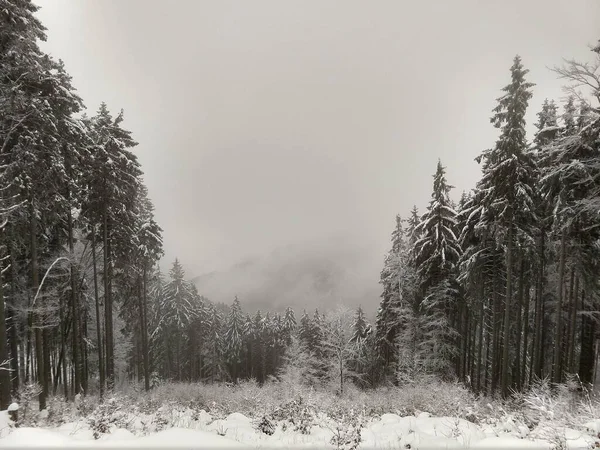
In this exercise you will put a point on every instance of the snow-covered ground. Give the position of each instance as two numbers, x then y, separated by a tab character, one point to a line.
198	429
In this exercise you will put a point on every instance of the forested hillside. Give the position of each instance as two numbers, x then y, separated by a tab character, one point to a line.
496	288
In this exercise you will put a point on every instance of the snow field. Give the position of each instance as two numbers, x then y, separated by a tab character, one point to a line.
198	429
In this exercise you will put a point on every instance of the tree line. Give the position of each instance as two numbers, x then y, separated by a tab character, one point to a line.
78	237
501	289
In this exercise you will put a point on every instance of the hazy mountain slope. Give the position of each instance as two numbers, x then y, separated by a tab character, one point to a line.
317	274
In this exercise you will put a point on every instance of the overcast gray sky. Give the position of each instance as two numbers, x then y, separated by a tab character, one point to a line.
278	124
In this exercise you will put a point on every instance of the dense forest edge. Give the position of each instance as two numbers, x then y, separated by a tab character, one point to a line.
492	296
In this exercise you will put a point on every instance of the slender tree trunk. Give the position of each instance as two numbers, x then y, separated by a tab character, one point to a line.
517	363
480	345
536	361
101	373
5	382
467	345
487	372
63	349
557	365
39	345
13	321
506	328
573	328
586	356
144	329
84	341
110	367
567	336
47	368
76	349
21	360
13	337
525	336
29	363
462	319
473	348
495	344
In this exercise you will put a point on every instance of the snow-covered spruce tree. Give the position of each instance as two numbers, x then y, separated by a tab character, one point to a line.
215	351
305	330
547	124
361	332
504	198
112	186
234	339
310	343
156	294
150	250
481	275
266	349
436	255
547	130
394	288
412	231
181	305
147	249
256	345
247	356
360	327
289	325
319	328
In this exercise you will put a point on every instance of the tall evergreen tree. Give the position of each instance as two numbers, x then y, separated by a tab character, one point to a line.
504	197
233	338
436	255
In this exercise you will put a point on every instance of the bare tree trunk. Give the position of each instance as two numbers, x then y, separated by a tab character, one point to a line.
5	383
586	356
110	361
145	346
480	345
29	362
142	353
495	343
101	373
536	360
573	328
487	375
74	308
557	365
22	352
41	378
507	306
517	364
13	321
85	353
13	338
525	337
63	349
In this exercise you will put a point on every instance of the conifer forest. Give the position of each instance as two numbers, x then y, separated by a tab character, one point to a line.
495	290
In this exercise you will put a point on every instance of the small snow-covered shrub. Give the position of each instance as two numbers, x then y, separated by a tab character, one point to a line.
160	422
110	413
266	426
347	430
155	380
298	413
27	402
59	411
